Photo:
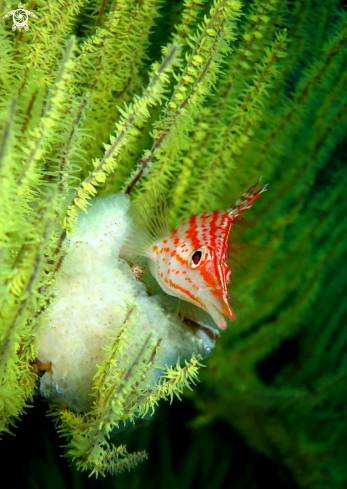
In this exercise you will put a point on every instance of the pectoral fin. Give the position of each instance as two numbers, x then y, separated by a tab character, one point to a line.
150	224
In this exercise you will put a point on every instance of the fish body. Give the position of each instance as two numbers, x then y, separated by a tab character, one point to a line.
190	261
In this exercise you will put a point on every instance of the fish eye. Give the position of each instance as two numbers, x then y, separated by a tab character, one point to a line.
196	258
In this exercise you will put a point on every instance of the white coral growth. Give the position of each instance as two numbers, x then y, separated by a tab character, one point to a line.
92	296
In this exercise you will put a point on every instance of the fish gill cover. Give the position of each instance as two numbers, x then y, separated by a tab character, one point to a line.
196	99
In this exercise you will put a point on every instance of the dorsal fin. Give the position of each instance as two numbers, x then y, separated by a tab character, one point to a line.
150	224
245	201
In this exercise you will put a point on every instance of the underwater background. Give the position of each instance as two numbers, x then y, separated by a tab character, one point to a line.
259	89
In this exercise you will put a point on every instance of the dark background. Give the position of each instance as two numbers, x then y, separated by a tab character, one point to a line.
179	455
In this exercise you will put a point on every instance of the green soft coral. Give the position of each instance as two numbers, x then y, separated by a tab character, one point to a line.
240	91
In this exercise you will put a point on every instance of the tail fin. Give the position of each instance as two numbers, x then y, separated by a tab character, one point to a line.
245	201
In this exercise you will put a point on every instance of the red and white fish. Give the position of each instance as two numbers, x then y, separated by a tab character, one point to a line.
190	261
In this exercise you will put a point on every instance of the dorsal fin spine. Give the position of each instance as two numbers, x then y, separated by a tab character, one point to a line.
245	201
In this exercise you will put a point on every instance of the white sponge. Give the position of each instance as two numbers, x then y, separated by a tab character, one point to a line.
92	296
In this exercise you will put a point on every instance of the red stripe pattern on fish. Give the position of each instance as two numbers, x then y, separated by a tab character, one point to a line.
190	262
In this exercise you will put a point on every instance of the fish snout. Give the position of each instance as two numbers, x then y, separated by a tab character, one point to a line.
218	306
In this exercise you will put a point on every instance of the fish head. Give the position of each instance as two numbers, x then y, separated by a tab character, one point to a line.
191	264
213	274
190	261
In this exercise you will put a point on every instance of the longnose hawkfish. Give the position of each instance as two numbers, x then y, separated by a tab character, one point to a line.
190	261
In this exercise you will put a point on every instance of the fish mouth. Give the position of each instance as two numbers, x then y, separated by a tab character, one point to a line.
217	313
209	330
